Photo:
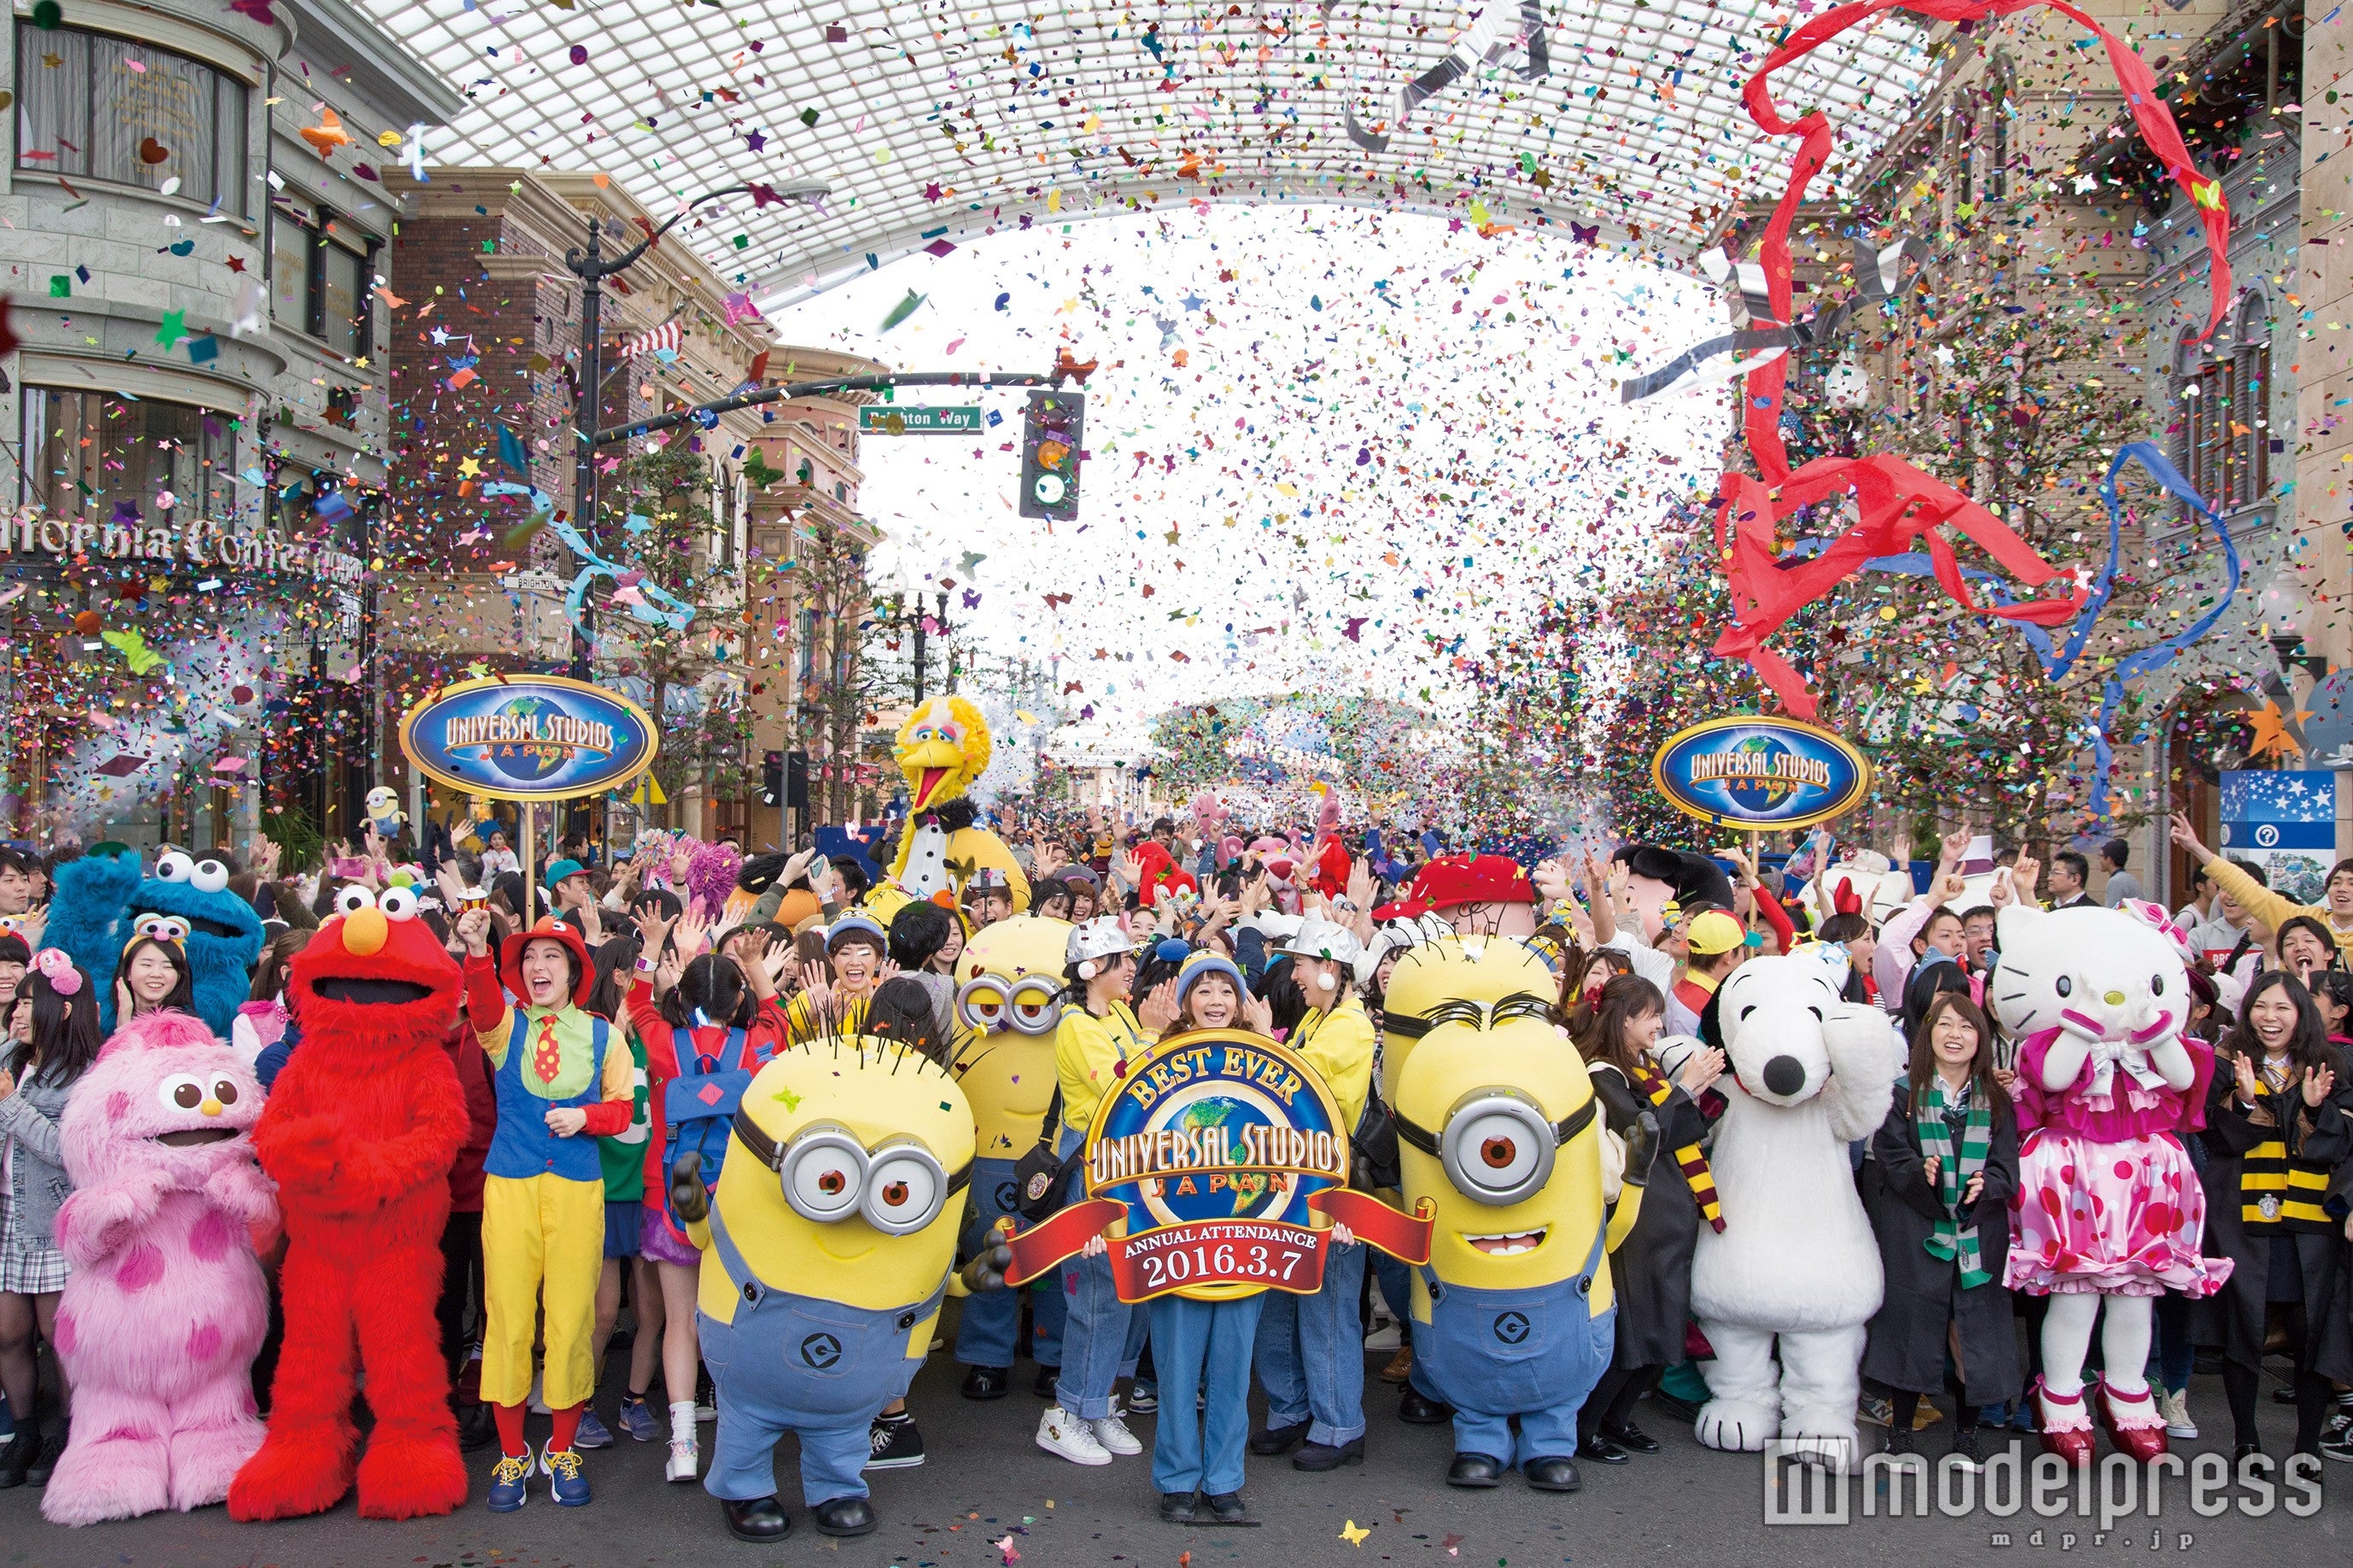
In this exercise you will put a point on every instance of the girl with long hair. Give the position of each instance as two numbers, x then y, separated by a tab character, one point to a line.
1937	1188
2279	1122
53	1038
1618	1036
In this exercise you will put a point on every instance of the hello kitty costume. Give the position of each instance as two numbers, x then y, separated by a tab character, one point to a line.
2109	1211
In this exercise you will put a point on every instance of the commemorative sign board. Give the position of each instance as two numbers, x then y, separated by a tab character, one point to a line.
1202	1171
1748	771
1213	1144
528	737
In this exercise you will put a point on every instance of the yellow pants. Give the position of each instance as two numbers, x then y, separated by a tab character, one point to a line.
540	1233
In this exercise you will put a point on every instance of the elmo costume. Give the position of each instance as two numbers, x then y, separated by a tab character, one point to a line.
360	1131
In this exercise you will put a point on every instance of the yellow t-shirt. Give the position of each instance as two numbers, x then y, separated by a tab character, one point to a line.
1339	1044
1089	1056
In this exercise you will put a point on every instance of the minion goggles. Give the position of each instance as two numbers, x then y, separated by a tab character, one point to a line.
1496	1143
1033	1004
827	1175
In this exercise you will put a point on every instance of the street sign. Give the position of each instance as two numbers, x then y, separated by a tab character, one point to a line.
885	420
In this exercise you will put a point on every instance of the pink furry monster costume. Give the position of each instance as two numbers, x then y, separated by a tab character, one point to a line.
159	1324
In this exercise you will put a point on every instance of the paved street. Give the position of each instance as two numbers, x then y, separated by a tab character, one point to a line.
986	1482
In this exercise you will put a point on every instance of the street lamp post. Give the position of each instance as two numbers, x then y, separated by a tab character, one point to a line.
592	269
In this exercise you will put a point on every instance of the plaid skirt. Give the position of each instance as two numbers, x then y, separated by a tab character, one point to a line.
28	1267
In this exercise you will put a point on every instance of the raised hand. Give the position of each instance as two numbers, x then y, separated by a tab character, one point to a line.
2318	1083
1157	1010
2184	836
2025	874
1702	1070
1259	1013
1551	878
474	931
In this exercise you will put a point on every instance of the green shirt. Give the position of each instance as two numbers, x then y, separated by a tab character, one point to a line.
624	1154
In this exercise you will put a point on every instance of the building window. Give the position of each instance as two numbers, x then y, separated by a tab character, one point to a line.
92	105
106	459
319	278
2224	394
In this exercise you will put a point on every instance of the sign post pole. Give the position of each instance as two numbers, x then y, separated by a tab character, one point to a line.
530	738
530	864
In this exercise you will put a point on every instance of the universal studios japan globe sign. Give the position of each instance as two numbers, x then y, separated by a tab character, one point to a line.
528	737
1748	771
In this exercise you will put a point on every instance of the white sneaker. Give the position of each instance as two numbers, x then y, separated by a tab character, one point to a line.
1113	1434
2175	1407
1386	1336
1059	1432
685	1455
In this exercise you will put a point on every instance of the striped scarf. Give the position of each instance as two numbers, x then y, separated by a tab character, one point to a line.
1688	1158
1953	1174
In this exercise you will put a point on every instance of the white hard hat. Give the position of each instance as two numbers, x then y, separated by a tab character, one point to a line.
1094	940
1319	938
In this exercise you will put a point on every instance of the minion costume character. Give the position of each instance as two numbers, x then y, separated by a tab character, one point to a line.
1311	1349
827	1250
1514	1316
543	1199
1009	1004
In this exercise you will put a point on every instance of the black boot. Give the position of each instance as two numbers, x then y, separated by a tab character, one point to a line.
1324	1456
843	1516
987	1381
1279	1440
1228	1509
1421	1409
1177	1508
1552	1474
17	1457
758	1519
1475	1470
53	1448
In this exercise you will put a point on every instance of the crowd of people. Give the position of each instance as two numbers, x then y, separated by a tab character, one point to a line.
679	962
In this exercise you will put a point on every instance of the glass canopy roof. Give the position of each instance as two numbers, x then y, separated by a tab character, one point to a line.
928	123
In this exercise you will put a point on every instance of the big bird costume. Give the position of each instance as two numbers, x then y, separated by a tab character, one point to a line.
943	749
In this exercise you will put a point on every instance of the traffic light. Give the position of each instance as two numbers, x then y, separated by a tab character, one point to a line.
1053	429
796	791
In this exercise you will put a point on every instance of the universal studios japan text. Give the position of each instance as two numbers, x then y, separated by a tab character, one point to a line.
1800	1488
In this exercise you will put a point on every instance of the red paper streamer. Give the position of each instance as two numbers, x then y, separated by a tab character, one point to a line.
1403	1236
1050	1241
1899	507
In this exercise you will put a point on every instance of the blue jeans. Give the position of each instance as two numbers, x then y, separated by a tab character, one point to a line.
1202	1347
989	1321
1311	1354
2173	1357
1102	1335
1396	1283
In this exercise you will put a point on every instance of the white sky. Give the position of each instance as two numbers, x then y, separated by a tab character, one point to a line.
1386	421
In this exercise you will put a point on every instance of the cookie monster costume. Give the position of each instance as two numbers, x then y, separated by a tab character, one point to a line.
100	894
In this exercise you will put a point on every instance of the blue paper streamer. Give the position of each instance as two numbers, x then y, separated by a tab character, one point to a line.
666	610
2057	661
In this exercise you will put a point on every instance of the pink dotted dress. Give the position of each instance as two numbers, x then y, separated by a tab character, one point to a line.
2108	1200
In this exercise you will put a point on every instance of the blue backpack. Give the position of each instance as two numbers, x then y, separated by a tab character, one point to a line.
698	1106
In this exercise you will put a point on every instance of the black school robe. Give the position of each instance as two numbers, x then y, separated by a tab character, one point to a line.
2235	1317
1909	1335
1651	1269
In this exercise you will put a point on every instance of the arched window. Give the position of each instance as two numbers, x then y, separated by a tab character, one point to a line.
2224	390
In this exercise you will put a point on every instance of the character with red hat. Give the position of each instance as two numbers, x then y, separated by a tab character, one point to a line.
561	1086
1478	895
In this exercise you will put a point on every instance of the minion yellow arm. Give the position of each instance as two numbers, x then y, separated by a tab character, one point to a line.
1622	1217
